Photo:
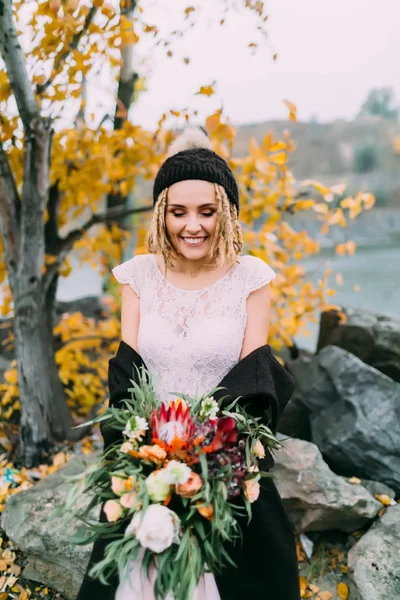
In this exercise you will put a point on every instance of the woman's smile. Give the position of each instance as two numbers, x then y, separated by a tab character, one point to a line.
194	241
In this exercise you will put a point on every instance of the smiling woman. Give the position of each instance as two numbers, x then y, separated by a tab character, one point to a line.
193	309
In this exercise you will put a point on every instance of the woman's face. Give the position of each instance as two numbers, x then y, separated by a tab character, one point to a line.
191	217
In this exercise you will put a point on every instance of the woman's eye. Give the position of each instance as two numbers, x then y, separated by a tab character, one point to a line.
209	214
178	214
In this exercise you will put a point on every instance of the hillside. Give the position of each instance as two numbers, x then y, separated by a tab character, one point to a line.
335	152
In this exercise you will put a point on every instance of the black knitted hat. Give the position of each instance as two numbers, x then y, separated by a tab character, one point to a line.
192	158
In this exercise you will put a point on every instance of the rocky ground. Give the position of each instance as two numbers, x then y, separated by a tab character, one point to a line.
338	474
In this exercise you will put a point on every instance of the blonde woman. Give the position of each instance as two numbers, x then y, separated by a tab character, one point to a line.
195	313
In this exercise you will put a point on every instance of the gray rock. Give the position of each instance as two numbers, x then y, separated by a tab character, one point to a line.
358	430
374	338
376	488
374	562
29	522
315	498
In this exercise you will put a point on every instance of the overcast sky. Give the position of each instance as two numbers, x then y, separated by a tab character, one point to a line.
330	53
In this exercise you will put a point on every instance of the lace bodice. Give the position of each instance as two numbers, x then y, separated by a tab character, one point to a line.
189	340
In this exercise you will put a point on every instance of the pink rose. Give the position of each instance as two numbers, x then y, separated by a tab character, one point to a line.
129	500
117	485
259	449
126	447
113	510
251	489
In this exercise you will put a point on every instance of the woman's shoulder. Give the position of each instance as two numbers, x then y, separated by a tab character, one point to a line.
255	272
132	271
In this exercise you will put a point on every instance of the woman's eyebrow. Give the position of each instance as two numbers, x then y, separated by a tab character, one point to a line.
208	205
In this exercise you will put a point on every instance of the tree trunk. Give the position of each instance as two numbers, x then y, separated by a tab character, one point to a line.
45	415
126	89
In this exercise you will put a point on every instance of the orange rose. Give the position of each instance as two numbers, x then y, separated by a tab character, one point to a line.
152	453
191	487
251	489
206	511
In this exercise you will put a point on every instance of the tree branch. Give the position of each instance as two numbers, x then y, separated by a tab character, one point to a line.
9	213
65	244
14	59
61	58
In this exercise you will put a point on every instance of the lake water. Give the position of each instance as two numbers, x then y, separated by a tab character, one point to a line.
376	270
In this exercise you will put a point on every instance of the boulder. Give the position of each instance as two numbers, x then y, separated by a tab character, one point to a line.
374	338
374	561
29	522
355	416
316	499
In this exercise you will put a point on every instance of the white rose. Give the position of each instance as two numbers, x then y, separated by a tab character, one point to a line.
158	486
156	529
177	472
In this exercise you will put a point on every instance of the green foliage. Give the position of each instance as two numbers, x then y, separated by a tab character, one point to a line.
366	158
380	102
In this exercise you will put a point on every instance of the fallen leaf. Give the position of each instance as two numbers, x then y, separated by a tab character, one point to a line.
15	570
303	583
314	588
386	500
325	595
343	591
3	565
354	480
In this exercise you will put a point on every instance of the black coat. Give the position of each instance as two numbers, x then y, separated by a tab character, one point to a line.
266	558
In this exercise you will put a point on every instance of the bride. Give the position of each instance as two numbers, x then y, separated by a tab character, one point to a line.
195	312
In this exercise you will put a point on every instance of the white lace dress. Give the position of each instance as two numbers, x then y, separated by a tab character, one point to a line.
189	340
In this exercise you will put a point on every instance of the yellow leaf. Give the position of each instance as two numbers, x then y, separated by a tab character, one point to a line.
384	499
303	583
304	205
206	90
343	591
354	480
356	288
279	159
189	10
292	110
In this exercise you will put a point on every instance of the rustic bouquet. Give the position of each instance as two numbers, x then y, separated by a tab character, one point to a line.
169	490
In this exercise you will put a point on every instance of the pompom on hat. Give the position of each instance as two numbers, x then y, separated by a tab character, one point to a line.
190	157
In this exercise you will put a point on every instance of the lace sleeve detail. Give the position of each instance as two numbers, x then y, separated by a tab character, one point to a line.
260	274
128	272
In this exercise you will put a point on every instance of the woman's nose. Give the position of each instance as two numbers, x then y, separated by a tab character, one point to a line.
193	226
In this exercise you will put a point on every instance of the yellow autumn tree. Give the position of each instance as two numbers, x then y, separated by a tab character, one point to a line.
65	188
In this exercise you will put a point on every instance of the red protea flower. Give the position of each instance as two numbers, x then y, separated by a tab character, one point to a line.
172	421
226	434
